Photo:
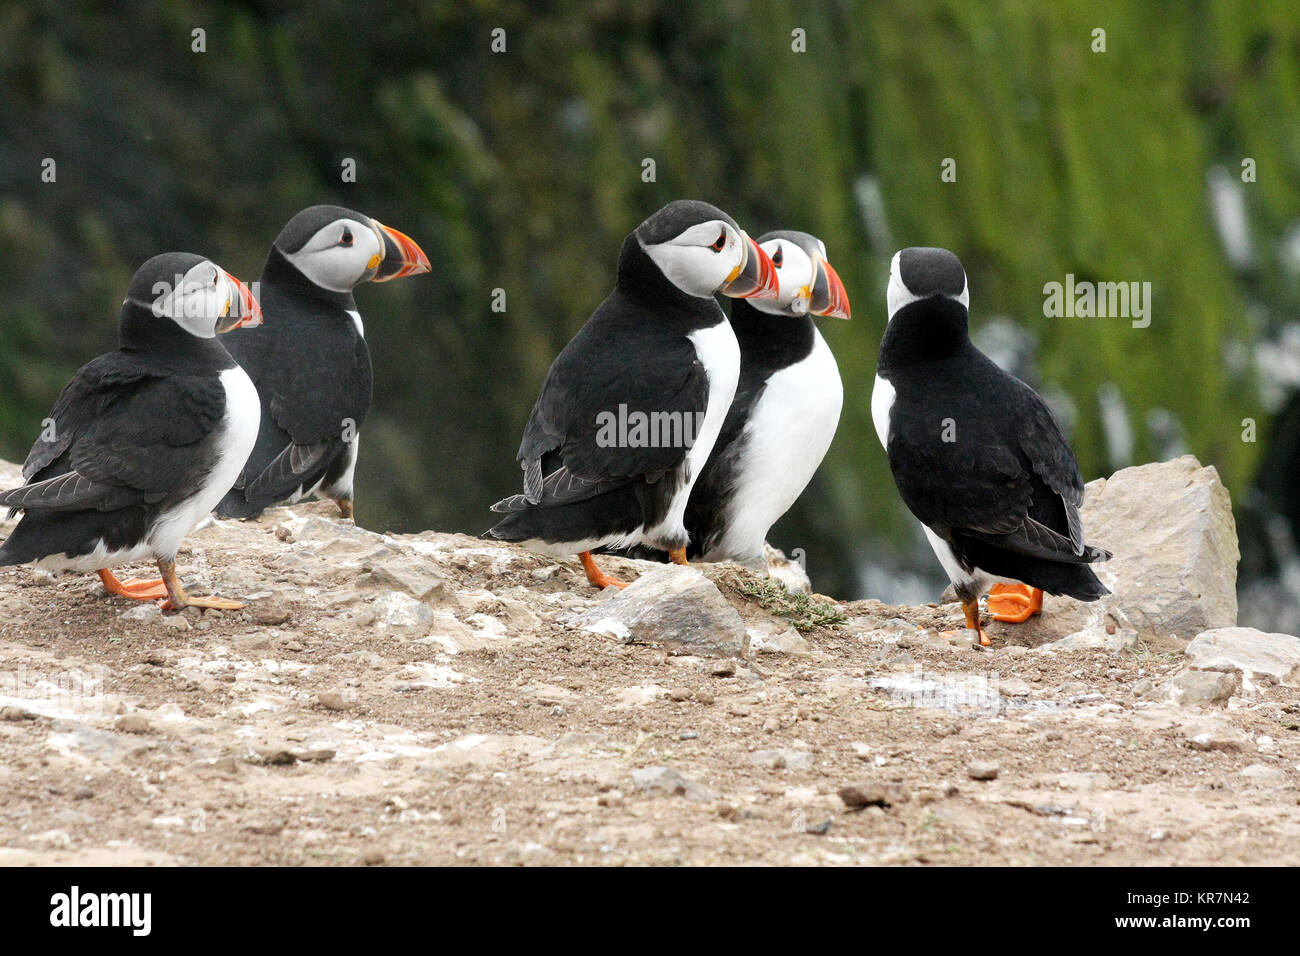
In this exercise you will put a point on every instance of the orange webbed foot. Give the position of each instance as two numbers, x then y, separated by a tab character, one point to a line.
137	589
596	576
1015	603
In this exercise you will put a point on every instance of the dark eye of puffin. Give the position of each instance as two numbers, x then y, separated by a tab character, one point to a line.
347	237
721	242
778	257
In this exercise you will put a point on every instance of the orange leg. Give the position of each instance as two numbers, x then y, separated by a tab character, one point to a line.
133	588
1015	603
972	610
177	598
677	556
596	576
345	507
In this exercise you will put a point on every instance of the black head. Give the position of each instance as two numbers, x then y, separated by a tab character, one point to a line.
923	272
701	250
337	248
181	290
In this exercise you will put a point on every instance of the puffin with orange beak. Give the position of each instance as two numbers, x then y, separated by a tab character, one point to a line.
630	410
145	440
310	362
785	412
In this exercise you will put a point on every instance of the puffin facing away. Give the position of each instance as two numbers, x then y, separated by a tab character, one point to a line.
310	362
144	440
786	408
631	408
975	453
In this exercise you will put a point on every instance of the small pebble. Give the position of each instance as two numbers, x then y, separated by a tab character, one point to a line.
983	770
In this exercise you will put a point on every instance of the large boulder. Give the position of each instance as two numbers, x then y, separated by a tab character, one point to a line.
1174	571
1271	658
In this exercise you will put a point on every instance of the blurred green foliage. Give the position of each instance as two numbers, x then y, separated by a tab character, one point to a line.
522	171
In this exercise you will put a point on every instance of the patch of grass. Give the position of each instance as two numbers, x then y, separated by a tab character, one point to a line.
799	609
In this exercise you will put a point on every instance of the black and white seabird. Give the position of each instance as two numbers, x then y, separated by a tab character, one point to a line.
631	408
310	362
975	452
786	408
143	441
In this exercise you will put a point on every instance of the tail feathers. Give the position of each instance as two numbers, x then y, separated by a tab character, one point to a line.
235	505
1074	580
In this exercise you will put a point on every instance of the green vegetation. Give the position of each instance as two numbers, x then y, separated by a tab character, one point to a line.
521	171
801	610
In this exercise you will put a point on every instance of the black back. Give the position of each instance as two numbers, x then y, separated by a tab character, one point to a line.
633	351
313	376
1005	491
132	434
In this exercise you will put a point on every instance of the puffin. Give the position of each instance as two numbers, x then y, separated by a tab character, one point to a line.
144	440
785	411
310	362
975	453
631	408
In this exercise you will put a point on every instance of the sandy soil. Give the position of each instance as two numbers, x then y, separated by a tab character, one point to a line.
338	720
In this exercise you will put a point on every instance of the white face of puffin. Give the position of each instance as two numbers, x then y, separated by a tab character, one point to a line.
797	274
899	295
205	301
341	255
702	259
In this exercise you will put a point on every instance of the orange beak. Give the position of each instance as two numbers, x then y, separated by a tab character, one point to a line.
828	294
247	314
402	257
756	277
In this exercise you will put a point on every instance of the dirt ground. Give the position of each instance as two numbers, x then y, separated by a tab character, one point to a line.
339	720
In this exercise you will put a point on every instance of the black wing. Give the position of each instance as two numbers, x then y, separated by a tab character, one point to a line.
1005	472
617	360
315	382
119	435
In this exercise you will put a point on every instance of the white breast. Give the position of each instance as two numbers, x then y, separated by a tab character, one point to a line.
789	431
356	320
233	444
882	401
719	353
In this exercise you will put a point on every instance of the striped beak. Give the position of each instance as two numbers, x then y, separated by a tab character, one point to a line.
244	311
402	257
828	294
755	277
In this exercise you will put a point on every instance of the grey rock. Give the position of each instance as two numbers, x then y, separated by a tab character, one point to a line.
271	613
408	576
133	724
333	700
874	794
666	781
399	610
1013	687
983	770
1265	776
785	759
1226	739
772	638
1271	658
145	611
1109	637
673	605
1200	687
272	756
